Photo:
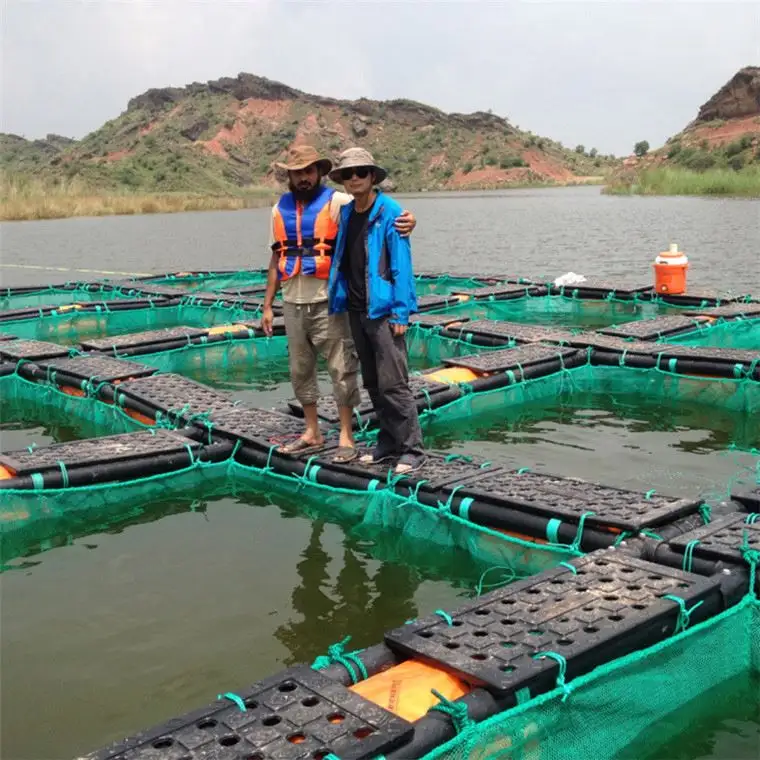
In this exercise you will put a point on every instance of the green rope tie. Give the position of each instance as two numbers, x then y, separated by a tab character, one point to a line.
193	460
268	466
688	555
649	494
650	534
446	507
64	473
562	662
233	698
621	537
523	470
32	446
506	580
336	654
576	545
457	711
445	615
570	567
683	614
452	457
705	511
752	517
752	558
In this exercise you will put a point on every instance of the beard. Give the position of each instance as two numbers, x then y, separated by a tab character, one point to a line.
303	193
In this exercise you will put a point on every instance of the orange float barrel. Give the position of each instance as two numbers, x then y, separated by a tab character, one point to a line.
670	271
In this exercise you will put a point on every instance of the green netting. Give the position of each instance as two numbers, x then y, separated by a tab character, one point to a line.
256	360
71	327
53	296
26	514
734	333
600	714
627	384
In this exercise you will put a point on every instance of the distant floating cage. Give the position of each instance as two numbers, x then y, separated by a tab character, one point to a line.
630	604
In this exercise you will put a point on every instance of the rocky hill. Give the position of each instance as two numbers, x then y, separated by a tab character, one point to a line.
222	137
724	135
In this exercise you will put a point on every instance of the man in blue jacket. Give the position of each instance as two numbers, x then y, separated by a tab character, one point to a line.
371	277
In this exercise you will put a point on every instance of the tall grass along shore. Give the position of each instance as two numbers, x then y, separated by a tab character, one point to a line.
33	199
661	181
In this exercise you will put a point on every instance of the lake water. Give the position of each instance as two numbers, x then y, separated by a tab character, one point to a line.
108	631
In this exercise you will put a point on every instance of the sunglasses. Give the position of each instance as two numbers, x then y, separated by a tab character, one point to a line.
362	172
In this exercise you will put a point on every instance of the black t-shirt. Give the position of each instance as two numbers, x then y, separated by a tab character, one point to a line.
354	262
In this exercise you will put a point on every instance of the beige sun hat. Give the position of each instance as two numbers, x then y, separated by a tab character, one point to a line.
357	157
301	156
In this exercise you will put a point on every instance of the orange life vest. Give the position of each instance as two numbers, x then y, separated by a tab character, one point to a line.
304	235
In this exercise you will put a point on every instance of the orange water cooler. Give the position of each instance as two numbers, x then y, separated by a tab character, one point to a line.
670	271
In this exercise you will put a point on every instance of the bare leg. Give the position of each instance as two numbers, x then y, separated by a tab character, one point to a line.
312	434
346	431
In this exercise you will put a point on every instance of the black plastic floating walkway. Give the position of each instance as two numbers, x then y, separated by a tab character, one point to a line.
436	301
699	297
607	606
93	368
147	288
31	350
729	311
530	360
427	395
503	292
601	289
155	339
651	329
750	499
703	360
106	459
299	713
722	539
494	332
77	307
436	320
259	428
172	395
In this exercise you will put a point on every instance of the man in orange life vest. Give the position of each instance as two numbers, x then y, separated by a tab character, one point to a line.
303	233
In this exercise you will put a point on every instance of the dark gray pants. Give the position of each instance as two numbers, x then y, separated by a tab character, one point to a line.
385	375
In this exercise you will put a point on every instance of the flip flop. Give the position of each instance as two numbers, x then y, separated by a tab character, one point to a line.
345	454
299	447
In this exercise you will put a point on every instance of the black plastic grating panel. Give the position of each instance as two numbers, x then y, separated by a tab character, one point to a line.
750	499
609	342
139	445
435	320
569	498
327	409
513	331
501	292
699	297
252	290
295	715
649	329
132	340
173	393
729	310
129	286
721	539
612	606
258	426
31	349
707	353
211	297
98	368
438	470
515	358
602	287
433	301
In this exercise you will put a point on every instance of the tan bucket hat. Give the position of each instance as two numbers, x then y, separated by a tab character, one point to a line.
301	156
357	157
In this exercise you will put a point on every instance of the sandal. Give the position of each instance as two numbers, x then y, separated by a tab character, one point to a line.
345	454
299	447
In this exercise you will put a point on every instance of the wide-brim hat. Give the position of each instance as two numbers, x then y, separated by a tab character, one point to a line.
357	157
301	156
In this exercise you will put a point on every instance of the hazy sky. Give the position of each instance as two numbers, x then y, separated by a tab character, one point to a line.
604	74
